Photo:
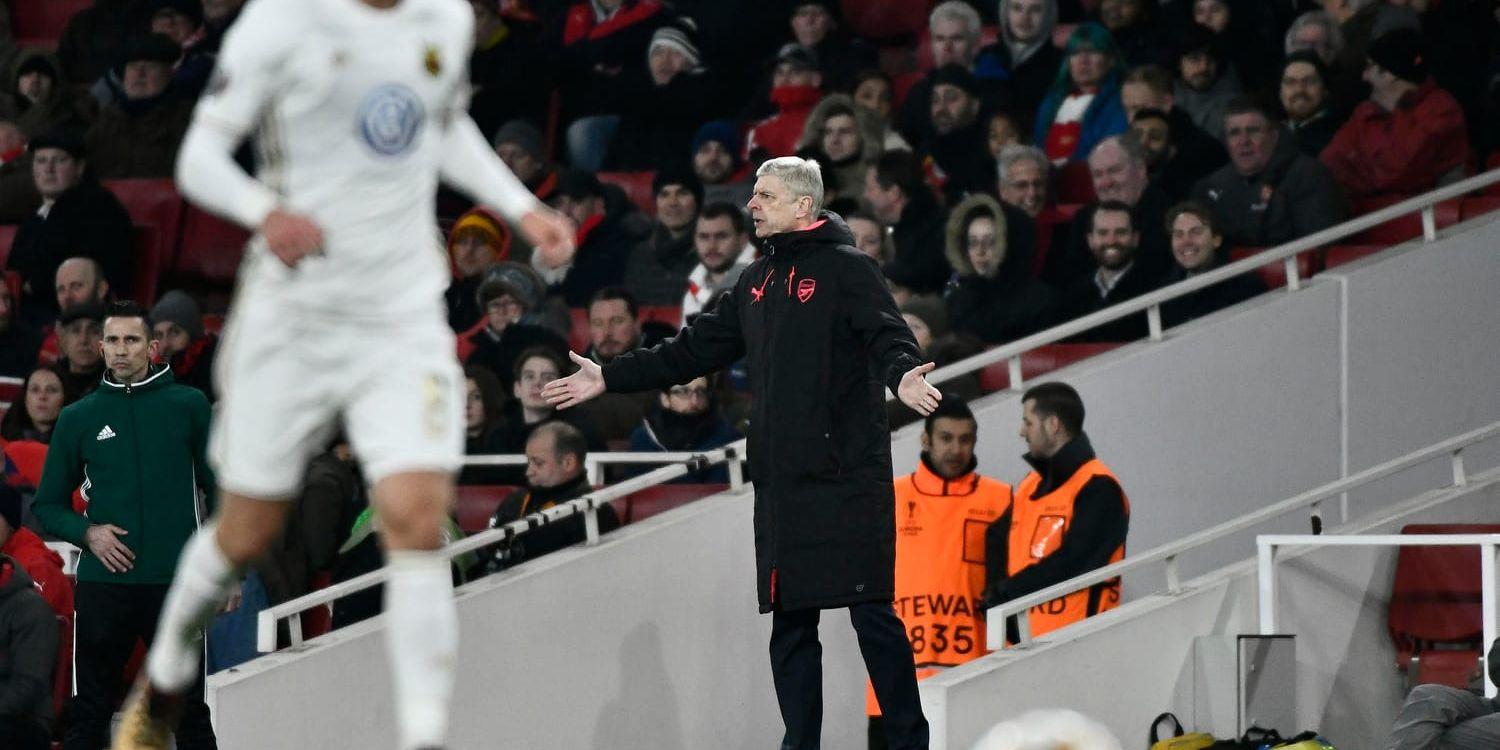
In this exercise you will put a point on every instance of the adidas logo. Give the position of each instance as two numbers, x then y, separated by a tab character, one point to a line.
105	433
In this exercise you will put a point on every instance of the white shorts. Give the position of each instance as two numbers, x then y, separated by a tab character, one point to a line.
287	384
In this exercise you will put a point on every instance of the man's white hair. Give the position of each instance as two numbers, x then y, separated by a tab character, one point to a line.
957	10
1048	729
1015	153
801	177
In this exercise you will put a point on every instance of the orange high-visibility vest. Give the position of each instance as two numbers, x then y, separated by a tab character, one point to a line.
1037	527
940	527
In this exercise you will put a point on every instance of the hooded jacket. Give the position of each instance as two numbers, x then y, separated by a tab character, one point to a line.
139	452
61	109
777	135
822	341
845	180
28	646
1292	197
1028	68
1008	305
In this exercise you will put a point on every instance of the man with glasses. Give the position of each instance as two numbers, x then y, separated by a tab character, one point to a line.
687	417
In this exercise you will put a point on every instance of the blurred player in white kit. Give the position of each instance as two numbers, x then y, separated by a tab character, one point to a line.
358	108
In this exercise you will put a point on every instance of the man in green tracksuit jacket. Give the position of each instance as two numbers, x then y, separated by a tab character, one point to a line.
137	446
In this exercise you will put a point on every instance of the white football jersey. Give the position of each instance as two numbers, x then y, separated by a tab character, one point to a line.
348	106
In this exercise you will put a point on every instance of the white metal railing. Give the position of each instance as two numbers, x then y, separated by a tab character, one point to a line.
1266	545
1168	554
594	463
11	383
1151	302
588	505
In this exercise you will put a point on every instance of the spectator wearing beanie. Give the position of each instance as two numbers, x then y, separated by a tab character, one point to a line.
658	269
662	104
1083	106
508	69
716	162
1409	137
508	296
1306	98
96	38
845	140
478	240
519	144
604	239
138	136
182	22
796	86
184	344
23	545
42	101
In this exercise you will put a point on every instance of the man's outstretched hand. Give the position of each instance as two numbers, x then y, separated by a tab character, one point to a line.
581	386
916	392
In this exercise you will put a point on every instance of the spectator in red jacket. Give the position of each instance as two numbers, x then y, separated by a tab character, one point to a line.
796	85
43	565
1409	136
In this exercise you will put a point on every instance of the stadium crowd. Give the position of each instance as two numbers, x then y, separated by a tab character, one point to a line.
1010	166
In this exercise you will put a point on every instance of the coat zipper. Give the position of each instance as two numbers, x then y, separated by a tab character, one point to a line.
140	489
766	318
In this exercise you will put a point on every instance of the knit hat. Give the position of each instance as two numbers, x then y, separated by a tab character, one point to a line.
677	174
523	134
157	48
1400	52
37	63
495	231
178	308
576	184
681	34
514	279
723	131
930	310
193	9
954	74
10	506
799	56
60	139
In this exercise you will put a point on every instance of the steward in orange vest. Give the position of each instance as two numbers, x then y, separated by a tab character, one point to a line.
1069	516
942	512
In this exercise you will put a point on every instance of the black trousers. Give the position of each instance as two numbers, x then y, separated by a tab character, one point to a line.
111	618
23	733
797	669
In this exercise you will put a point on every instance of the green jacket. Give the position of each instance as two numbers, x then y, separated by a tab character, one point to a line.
139	453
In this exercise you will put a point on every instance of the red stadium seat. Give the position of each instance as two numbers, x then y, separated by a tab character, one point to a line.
1341	254
10	390
13	283
148	264
1492	163
211	249
1274	274
38	23
1038	362
883	20
474	504
579	339
156	206
7	237
213	323
1402	228
637	187
901	86
669	314
1075	184
664	497
1434	614
1468	207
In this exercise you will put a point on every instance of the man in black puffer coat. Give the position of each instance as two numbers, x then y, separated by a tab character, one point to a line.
822	340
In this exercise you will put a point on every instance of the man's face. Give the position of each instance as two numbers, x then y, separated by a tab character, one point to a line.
502	311
1117	177
1211	13
1025	187
713	163
676	207
1251	141
79	342
773	209
983	247
78	284
472	253
1155	138
473	405
869	237
128	348
535	373
1193	243
886	202
1313	37
1042	435
874	94
612	329
665	63
952	44
522	164
717	244
950	445
688	400
1112	239
579	209
795	74
1136	96
810	24
1119	14
1198	70
173	339
1001	133
44	397
55	171
1025	19
35	86
952	108
841	138
1302	91
545	469
169	22
1087	66
145	79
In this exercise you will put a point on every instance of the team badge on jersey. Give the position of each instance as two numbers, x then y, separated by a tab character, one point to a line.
390	118
432	61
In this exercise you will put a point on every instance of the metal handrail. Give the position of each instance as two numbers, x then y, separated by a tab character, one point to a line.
588	505
1151	302
594	463
1020	607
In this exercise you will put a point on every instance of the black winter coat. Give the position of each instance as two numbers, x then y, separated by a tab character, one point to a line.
822	340
86	220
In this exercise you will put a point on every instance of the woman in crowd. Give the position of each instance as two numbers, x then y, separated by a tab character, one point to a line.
34	416
1083	106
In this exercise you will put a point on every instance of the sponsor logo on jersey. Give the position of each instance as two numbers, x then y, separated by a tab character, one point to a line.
390	117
